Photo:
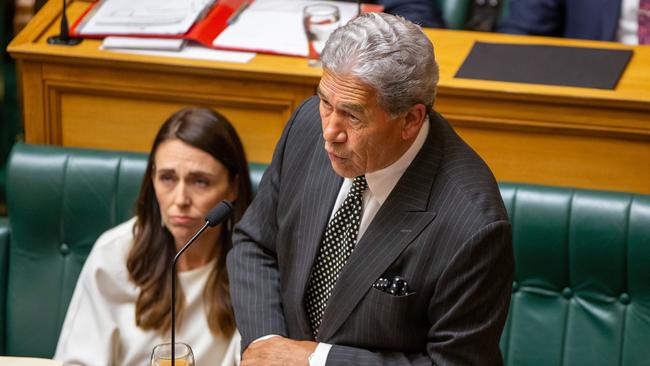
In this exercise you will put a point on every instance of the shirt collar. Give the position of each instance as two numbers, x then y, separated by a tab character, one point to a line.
382	181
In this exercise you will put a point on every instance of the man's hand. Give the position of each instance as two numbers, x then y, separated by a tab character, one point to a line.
278	351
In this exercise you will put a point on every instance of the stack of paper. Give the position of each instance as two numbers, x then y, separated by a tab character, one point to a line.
275	26
159	17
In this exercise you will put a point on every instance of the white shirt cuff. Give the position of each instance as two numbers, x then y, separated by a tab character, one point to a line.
265	337
319	357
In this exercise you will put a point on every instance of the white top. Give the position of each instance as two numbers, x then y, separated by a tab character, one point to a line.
380	184
100	330
628	23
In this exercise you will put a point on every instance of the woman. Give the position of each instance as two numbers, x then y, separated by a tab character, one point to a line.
121	305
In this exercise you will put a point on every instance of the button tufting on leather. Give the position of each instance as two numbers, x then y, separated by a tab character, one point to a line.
515	286
624	299
567	293
64	249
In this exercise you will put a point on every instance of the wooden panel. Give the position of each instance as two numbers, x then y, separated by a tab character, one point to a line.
33	102
129	122
572	160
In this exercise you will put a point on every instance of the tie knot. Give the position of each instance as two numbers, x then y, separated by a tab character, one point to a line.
359	184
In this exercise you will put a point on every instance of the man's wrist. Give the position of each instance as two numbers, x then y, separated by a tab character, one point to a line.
319	356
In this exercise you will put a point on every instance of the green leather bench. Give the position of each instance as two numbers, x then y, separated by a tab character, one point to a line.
581	294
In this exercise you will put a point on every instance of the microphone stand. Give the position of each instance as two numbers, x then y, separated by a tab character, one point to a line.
213	218
207	223
64	39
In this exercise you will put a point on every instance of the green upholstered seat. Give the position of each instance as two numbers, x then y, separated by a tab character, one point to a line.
59	201
581	294
454	12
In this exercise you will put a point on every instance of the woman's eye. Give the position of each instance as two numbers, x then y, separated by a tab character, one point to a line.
201	182
166	178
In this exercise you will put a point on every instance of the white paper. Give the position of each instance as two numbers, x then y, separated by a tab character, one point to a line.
143	16
195	52
162	44
275	26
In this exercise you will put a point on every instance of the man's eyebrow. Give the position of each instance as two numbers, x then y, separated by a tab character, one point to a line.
354	108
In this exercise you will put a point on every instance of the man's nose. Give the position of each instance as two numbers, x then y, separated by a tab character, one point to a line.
333	128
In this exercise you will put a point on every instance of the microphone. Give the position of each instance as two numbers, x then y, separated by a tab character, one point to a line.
64	38
215	217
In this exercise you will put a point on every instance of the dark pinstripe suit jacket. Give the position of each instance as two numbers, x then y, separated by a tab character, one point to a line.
443	228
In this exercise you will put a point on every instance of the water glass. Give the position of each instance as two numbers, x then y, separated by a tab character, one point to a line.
162	355
320	20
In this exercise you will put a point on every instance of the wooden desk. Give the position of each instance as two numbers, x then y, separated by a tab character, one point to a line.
27	361
81	96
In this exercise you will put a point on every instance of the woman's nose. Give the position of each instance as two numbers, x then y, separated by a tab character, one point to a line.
181	196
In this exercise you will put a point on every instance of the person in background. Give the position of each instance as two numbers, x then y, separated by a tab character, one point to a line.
120	309
626	21
377	236
424	13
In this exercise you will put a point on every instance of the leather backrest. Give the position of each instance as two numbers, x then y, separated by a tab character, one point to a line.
581	294
59	202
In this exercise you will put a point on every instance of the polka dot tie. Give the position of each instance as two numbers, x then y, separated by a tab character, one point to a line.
338	243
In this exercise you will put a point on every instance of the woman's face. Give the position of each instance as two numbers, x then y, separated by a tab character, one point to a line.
188	183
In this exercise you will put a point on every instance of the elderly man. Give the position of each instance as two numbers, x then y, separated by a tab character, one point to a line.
377	235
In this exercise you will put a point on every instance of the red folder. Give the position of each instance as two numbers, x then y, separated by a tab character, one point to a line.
204	31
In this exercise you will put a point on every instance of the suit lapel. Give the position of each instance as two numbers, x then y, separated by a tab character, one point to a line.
321	189
399	221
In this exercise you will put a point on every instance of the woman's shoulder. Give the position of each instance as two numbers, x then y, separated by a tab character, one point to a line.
118	236
108	255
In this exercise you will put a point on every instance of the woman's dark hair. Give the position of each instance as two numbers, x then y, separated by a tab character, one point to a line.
153	248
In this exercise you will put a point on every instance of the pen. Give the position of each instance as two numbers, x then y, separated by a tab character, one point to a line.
233	18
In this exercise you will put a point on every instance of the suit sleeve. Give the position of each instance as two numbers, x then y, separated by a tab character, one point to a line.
253	263
467	310
425	13
534	17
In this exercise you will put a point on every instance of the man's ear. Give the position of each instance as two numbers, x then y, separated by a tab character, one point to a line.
413	121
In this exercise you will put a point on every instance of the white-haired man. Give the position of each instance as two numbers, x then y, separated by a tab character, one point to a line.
377	237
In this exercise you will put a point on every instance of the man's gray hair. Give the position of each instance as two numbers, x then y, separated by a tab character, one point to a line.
390	54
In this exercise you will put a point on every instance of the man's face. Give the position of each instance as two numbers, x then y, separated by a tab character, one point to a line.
360	136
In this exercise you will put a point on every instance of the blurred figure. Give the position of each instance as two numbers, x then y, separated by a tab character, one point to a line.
626	21
120	309
424	13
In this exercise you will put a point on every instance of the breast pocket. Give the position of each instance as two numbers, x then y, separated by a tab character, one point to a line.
388	322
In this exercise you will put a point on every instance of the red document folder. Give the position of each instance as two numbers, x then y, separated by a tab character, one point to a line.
205	30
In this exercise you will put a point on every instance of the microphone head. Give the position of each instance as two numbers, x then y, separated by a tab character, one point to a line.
219	213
